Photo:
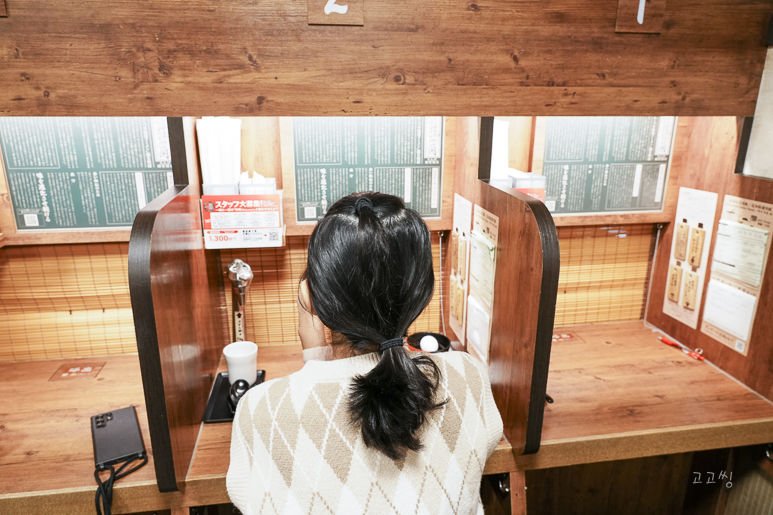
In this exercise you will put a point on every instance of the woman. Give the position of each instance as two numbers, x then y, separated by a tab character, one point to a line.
374	428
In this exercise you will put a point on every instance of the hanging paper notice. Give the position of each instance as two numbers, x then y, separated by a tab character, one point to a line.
458	256
483	264
740	252
695	213
737	270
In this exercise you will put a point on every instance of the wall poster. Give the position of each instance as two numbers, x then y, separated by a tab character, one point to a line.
67	173
604	164
336	156
695	211
737	268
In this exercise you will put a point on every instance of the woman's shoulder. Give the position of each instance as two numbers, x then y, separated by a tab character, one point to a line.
291	391
459	359
459	369
260	391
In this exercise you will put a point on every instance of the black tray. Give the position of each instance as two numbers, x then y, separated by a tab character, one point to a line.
218	409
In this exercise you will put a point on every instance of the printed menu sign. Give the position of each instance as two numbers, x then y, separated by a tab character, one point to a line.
334	157
602	164
242	221
66	173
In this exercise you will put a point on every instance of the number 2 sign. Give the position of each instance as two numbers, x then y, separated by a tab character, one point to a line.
335	12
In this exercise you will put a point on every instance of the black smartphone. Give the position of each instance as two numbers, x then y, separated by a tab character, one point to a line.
117	437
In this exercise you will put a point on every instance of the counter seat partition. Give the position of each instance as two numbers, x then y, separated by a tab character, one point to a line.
619	393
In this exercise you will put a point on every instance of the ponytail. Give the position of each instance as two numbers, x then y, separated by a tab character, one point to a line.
369	274
391	402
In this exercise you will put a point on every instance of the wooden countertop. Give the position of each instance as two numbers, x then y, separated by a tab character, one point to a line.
619	393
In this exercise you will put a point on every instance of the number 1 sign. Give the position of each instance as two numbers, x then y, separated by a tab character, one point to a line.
640	16
335	12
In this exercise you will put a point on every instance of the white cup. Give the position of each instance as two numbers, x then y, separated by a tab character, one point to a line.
242	360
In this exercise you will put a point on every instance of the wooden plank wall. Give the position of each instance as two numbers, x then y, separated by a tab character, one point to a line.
642	486
472	58
707	163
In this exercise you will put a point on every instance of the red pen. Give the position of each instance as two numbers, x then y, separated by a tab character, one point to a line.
694	354
669	342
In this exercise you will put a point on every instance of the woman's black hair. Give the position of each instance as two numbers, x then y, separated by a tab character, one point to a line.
369	275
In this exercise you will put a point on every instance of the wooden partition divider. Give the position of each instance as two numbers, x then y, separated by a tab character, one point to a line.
526	288
180	317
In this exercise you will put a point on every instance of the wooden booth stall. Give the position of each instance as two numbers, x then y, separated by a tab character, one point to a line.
600	415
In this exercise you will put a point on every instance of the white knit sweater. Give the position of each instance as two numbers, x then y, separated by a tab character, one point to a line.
294	451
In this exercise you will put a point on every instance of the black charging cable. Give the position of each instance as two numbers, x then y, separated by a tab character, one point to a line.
104	495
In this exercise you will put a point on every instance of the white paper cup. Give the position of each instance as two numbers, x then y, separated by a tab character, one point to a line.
242	360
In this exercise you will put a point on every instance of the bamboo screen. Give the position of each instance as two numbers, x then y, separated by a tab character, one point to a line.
61	301
272	308
604	272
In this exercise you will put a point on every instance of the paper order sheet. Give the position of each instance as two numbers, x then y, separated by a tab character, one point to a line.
729	309
740	252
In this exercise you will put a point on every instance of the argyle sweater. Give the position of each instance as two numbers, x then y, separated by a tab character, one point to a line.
294	450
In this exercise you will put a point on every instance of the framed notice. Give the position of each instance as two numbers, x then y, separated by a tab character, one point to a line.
334	157
603	164
69	173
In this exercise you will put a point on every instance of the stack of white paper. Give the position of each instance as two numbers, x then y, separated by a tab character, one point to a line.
220	149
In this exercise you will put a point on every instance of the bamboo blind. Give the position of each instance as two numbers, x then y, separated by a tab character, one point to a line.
61	301
604	272
271	316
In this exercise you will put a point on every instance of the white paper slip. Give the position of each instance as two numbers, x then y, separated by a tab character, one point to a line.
740	252
478	327
482	270
729	309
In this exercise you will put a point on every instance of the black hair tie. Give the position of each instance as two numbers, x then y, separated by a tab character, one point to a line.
394	342
361	203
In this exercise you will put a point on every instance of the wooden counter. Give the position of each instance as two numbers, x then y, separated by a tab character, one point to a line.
619	393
